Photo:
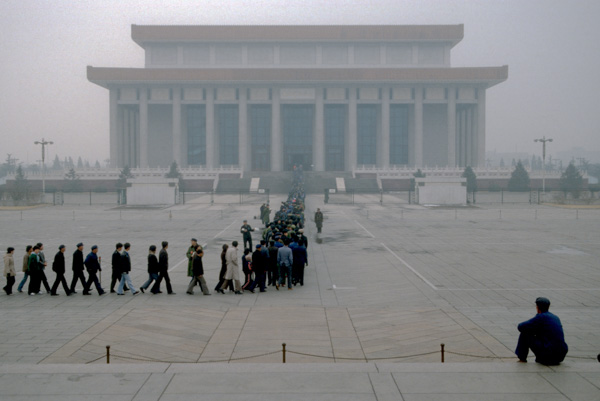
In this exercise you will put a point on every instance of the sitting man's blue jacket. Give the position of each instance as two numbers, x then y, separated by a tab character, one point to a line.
549	336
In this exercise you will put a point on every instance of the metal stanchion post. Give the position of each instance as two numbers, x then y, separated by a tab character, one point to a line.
442	346
108	354
283	351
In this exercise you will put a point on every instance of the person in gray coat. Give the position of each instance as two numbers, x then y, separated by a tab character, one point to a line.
285	260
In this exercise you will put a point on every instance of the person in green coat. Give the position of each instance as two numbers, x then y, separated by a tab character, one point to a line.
190	255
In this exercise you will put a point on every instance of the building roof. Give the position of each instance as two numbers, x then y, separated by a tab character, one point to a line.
143	34
108	77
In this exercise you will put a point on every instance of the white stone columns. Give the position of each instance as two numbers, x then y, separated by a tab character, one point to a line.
143	128
276	139
115	149
481	128
418	127
383	158
451	127
211	156
351	143
319	135
469	138
177	148
243	148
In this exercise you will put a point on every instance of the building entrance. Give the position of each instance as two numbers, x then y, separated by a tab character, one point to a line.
297	127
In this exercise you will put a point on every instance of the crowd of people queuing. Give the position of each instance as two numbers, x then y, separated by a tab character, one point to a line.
280	255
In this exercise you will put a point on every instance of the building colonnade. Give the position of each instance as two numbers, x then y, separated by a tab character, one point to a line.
260	128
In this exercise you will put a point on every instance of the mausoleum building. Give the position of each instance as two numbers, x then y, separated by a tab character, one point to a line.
266	98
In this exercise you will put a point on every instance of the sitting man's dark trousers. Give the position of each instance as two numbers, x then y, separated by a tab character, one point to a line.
544	335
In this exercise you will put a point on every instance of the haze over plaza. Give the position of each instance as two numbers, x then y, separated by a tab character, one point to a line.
47	46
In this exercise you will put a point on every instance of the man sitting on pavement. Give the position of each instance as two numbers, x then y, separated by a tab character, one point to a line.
544	335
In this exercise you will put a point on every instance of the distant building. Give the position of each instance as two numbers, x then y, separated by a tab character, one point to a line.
266	98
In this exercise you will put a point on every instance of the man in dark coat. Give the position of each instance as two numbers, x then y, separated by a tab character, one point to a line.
544	335
92	264
125	269
78	268
300	260
259	265
246	231
116	268
198	271
163	270
319	220
58	266
34	267
273	272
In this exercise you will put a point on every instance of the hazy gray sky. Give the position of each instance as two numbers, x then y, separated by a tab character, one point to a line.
551	48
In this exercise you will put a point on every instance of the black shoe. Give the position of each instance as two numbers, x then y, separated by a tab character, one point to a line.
142	290
263	290
191	293
120	294
221	291
238	293
125	289
207	294
102	293
135	293
54	295
112	291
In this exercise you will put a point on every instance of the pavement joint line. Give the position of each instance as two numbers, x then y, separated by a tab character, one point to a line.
410	267
203	246
363	227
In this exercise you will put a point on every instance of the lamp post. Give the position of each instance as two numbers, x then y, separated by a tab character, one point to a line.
44	143
543	140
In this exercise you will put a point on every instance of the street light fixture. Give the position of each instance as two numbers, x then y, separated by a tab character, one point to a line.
543	140
44	143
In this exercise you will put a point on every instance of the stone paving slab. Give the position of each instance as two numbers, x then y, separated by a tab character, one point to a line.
376	381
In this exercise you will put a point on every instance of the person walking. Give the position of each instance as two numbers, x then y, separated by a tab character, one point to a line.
28	250
233	270
152	269
163	270
125	267
223	271
246	231
198	271
189	254
78	268
259	265
286	262
116	268
319	220
9	270
58	266
34	268
247	270
43	264
92	264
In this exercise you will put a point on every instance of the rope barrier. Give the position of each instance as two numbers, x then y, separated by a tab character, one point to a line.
362	359
285	351
148	359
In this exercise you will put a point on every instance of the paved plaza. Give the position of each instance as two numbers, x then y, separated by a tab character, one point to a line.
386	284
